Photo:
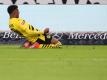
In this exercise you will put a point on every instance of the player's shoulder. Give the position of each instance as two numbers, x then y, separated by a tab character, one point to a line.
15	19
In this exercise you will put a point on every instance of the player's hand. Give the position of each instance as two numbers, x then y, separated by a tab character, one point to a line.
46	30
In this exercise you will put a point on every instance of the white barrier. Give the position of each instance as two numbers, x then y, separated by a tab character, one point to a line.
53	2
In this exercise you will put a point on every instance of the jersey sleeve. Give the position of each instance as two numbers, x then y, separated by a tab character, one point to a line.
28	29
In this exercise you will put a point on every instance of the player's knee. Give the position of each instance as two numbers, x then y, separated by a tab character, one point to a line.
46	30
26	44
54	41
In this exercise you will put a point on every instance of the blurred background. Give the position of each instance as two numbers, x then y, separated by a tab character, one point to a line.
63	18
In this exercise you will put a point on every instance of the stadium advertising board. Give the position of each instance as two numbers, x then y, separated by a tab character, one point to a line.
75	38
72	35
53	2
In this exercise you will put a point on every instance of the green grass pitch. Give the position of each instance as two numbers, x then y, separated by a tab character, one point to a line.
68	63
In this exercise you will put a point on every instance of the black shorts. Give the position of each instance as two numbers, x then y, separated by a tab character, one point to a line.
48	39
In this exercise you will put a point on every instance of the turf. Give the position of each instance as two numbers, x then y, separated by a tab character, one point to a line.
68	63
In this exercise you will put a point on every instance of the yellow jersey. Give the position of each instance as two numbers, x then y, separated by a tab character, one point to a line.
25	30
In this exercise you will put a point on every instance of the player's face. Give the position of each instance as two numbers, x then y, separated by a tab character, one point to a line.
17	13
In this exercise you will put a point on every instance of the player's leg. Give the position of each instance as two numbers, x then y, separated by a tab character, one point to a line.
37	45
50	39
56	42
26	44
48	43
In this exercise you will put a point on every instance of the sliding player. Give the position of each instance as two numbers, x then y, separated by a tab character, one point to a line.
35	38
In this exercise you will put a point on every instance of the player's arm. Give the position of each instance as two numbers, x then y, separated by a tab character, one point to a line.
28	29
16	29
32	31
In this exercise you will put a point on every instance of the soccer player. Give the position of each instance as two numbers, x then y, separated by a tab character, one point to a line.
35	38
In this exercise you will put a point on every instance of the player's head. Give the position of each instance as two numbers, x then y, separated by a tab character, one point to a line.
13	11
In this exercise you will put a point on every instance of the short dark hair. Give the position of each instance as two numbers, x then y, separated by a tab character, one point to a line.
11	8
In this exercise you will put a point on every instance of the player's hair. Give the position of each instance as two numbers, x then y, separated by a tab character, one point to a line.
11	8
